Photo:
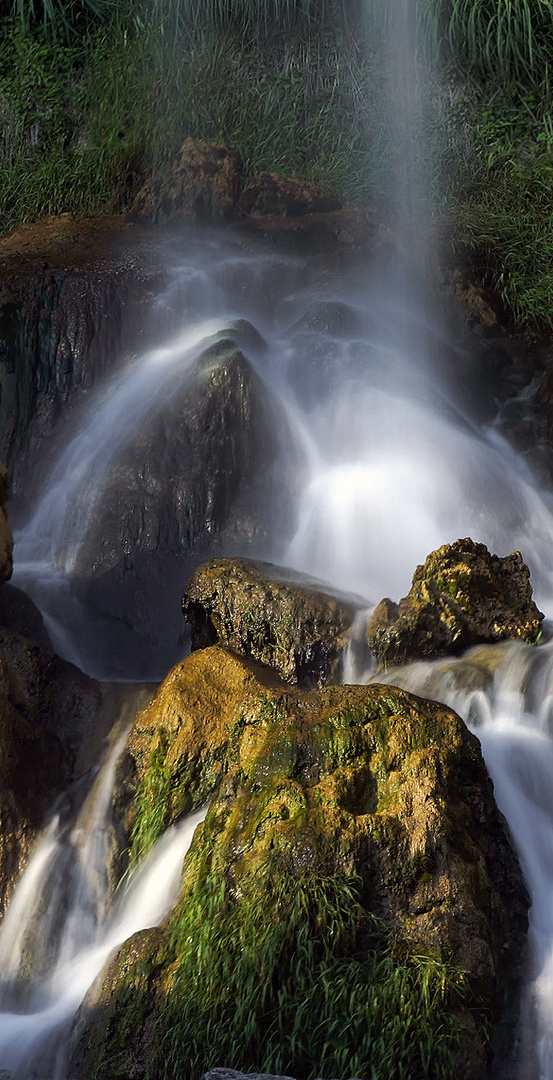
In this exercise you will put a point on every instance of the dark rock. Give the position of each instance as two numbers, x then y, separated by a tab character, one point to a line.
461	596
202	185
271	614
6	539
20	614
73	295
272	195
49	710
197	476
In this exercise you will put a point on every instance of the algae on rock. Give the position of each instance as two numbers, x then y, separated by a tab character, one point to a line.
461	596
273	615
352	868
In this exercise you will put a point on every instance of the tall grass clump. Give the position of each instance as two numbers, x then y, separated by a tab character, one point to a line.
297	978
498	39
494	59
84	121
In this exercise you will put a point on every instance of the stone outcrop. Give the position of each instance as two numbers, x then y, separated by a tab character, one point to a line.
271	614
73	296
49	711
311	790
6	539
461	596
196	476
272	195
202	185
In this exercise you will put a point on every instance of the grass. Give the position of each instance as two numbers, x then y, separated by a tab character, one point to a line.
296	978
83	124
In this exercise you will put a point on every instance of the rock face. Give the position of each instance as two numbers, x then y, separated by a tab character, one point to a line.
270	614
72	296
461	596
271	195
195	476
203	185
6	539
352	841
49	710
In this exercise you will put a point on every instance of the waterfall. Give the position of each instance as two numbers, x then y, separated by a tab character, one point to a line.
45	977
388	462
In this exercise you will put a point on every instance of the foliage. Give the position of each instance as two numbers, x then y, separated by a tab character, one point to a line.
295	977
65	17
499	39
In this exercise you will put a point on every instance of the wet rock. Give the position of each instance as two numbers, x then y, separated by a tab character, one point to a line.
355	229
202	185
73	295
6	539
49	709
19	613
271	614
461	596
196	476
365	788
272	195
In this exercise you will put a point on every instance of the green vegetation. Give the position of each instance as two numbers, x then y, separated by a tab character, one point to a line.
498	143
97	94
89	107
297	978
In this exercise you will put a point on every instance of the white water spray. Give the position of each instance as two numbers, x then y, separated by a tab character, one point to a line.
33	1038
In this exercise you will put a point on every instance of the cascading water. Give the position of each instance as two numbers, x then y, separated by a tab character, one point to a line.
65	887
387	464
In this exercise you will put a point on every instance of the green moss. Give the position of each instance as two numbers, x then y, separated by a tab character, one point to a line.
296	977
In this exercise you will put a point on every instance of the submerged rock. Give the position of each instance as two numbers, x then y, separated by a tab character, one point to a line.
352	840
461	596
271	614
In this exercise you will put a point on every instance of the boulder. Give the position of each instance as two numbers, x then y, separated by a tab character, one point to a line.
353	879
461	596
49	710
196	476
272	195
271	614
202	185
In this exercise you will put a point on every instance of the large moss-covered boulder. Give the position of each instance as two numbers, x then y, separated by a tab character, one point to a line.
271	614
461	596
351	905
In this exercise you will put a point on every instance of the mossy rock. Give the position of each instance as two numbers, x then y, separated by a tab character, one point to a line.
271	614
461	596
366	802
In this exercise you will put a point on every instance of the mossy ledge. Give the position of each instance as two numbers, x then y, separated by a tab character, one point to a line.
350	906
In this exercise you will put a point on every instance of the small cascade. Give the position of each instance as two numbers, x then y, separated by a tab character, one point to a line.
59	931
505	693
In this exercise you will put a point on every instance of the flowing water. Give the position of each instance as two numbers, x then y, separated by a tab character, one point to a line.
387	459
